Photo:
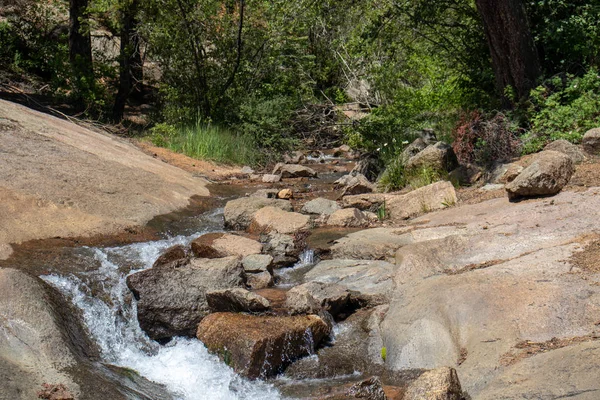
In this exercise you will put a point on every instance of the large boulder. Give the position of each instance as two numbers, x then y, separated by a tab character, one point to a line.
294	171
219	245
45	351
591	141
437	196
372	280
564	146
417	146
320	206
273	219
261	346
238	213
549	172
439	156
281	247
236	300
172	301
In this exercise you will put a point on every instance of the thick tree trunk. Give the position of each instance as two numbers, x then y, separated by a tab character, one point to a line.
130	63
80	42
514	56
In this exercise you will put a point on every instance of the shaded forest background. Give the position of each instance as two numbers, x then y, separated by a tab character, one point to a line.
499	78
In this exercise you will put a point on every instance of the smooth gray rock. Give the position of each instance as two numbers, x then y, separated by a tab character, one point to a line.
320	206
564	146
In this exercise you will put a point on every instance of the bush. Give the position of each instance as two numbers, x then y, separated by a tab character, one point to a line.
208	142
563	108
397	177
483	139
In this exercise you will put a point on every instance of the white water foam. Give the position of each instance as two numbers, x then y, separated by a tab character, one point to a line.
184	366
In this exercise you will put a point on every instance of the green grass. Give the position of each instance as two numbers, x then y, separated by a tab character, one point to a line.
208	142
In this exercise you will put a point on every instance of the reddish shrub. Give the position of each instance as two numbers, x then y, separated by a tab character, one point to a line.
482	140
55	392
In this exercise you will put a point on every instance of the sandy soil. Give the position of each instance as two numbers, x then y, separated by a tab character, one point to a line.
58	179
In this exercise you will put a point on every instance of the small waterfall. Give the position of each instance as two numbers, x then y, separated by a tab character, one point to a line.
184	366
307	257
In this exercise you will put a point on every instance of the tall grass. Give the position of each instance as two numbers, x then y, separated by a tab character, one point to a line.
208	142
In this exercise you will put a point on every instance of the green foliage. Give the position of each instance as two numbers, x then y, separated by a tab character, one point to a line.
207	142
393	178
383	353
397	177
563	108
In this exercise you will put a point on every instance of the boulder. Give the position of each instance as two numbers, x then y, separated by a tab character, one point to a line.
370	166
439	156
372	280
294	171
236	300
437	384
354	184
320	206
503	173
465	174
348	217
261	346
45	351
285	194
271	178
255	263
549	172
591	141
417	146
312	297
259	280
238	213
219	245
564	146
437	196
282	248
272	219
266	193
172	301
174	254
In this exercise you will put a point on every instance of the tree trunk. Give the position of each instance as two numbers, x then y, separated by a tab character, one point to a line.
80	42
514	56
130	63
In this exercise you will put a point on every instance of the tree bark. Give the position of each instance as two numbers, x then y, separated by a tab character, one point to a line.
514	57
80	42
130	60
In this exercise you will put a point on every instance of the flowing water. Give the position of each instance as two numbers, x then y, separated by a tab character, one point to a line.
183	366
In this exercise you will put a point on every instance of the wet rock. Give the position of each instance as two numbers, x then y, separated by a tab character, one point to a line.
271	178
272	219
312	297
564	146
266	193
261	346
369	389
236	300
219	245
294	171
320	206
549	172
348	217
439	156
172	301
259	280
591	141
285	194
174	254
256	263
417	146
354	184
437	384
238	213
371	279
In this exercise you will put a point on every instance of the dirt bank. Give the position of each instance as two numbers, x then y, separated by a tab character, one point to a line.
58	179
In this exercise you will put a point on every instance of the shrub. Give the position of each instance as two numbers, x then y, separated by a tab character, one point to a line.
563	108
481	139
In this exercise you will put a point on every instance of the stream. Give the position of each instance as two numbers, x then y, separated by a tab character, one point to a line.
95	282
